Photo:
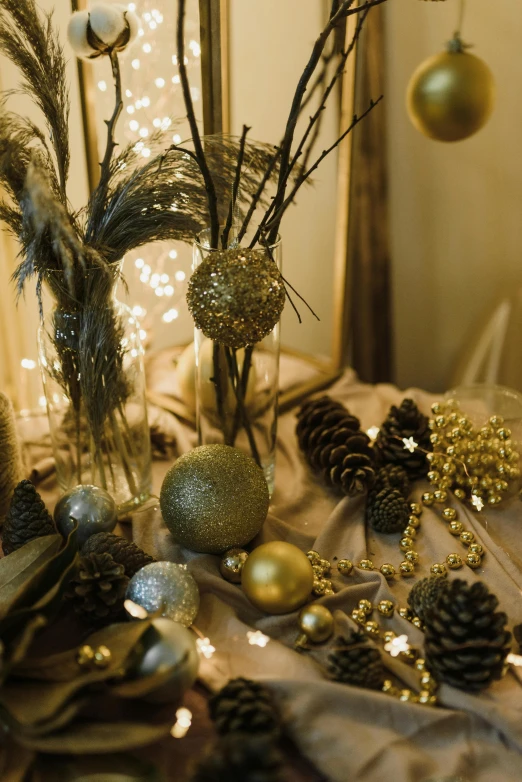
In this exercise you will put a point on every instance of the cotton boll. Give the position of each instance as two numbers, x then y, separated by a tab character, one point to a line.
107	22
77	34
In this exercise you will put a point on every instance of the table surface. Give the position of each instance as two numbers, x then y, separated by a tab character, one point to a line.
337	732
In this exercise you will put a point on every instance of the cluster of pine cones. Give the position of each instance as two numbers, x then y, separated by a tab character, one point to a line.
335	447
106	564
249	728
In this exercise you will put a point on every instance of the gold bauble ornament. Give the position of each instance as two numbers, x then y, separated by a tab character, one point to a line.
236	297
214	498
186	379
451	96
232	563
316	622
277	577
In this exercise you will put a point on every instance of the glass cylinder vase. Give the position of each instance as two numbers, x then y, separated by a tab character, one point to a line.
237	390
91	360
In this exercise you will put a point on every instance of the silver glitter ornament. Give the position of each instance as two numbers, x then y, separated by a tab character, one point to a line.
214	498
168	587
167	645
92	507
236	297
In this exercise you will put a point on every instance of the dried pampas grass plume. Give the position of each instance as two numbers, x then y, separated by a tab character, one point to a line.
10	456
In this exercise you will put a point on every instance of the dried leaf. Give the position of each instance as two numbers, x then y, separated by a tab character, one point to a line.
51	579
19	567
43	692
123	767
92	737
15	761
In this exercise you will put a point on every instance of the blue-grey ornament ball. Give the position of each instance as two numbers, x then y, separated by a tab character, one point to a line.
92	507
168	587
214	498
168	646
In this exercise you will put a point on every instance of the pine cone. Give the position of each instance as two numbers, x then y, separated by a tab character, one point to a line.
394	477
124	552
246	706
240	758
98	588
26	519
404	422
466	641
387	511
334	444
356	662
425	594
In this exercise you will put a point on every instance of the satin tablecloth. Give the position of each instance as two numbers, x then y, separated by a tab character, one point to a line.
350	734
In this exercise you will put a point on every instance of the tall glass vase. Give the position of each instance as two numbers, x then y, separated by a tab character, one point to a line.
91	361
237	390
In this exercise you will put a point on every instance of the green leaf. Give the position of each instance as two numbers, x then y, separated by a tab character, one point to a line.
82	737
18	568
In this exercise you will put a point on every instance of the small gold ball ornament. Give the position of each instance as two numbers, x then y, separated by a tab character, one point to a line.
214	498
372	628
358	616
366	606
236	297
451	96
366	564
385	608
316	622
438	569
406	569
454	561
412	556
345	567
232	563
473	561
277	577
387	570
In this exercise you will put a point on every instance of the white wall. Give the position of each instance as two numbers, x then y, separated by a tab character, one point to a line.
270	43
456	228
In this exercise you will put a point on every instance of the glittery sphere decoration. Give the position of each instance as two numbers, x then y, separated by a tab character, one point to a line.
166	586
91	507
232	564
214	498
277	577
236	297
168	646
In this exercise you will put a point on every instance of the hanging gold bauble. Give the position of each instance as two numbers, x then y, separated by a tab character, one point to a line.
277	577
451	96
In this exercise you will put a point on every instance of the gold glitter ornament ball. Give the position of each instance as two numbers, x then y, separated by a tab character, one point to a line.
214	498
277	577
236	297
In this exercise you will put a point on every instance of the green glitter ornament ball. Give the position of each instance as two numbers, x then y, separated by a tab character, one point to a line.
214	498
236	297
